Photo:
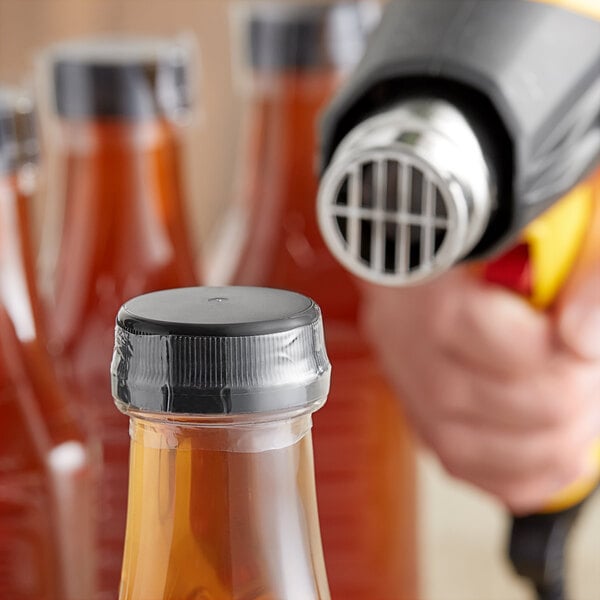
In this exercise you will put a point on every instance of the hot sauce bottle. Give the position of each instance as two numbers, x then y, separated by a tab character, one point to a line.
294	57
220	385
46	462
117	105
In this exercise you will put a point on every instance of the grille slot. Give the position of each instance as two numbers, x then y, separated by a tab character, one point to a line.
390	215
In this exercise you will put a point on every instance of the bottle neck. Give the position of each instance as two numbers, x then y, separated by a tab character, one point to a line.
222	511
283	111
278	185
123	229
88	136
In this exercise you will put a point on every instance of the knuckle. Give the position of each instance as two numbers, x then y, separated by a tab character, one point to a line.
455	454
555	401
565	394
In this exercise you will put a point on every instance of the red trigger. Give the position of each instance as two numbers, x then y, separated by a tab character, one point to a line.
512	270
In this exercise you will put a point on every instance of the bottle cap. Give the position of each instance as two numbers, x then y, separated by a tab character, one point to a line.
125	77
18	139
300	36
220	350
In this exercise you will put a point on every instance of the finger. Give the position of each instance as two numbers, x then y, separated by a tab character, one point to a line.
419	309
566	389
497	331
480	451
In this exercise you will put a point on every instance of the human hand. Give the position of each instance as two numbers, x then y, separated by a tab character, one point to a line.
506	396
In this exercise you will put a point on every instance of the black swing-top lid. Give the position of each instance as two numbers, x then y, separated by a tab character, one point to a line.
18	139
219	350
298	36
126	77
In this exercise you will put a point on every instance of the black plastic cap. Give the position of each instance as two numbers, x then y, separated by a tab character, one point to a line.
288	36
18	138
131	78
219	350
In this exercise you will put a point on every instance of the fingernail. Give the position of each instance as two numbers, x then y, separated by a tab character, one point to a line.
580	322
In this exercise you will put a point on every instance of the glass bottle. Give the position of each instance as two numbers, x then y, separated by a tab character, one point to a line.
115	105
48	465
295	56
220	385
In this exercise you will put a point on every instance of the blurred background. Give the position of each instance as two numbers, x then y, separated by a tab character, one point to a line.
461	532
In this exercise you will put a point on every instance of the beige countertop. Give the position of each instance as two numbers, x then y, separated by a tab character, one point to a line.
463	534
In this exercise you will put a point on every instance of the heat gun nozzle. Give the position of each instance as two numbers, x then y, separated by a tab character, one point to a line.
407	194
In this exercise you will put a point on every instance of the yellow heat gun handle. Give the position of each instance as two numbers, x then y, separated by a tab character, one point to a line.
589	8
557	241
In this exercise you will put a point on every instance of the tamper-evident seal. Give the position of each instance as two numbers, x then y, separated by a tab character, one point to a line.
220	350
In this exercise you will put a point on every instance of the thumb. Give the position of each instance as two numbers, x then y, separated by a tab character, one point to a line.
579	306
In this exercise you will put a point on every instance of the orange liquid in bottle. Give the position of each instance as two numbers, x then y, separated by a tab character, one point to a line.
364	459
123	234
206	520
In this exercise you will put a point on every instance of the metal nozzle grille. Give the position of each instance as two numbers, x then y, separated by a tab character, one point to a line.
388	217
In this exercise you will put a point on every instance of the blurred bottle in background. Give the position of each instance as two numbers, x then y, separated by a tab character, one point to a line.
294	56
46	464
116	108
